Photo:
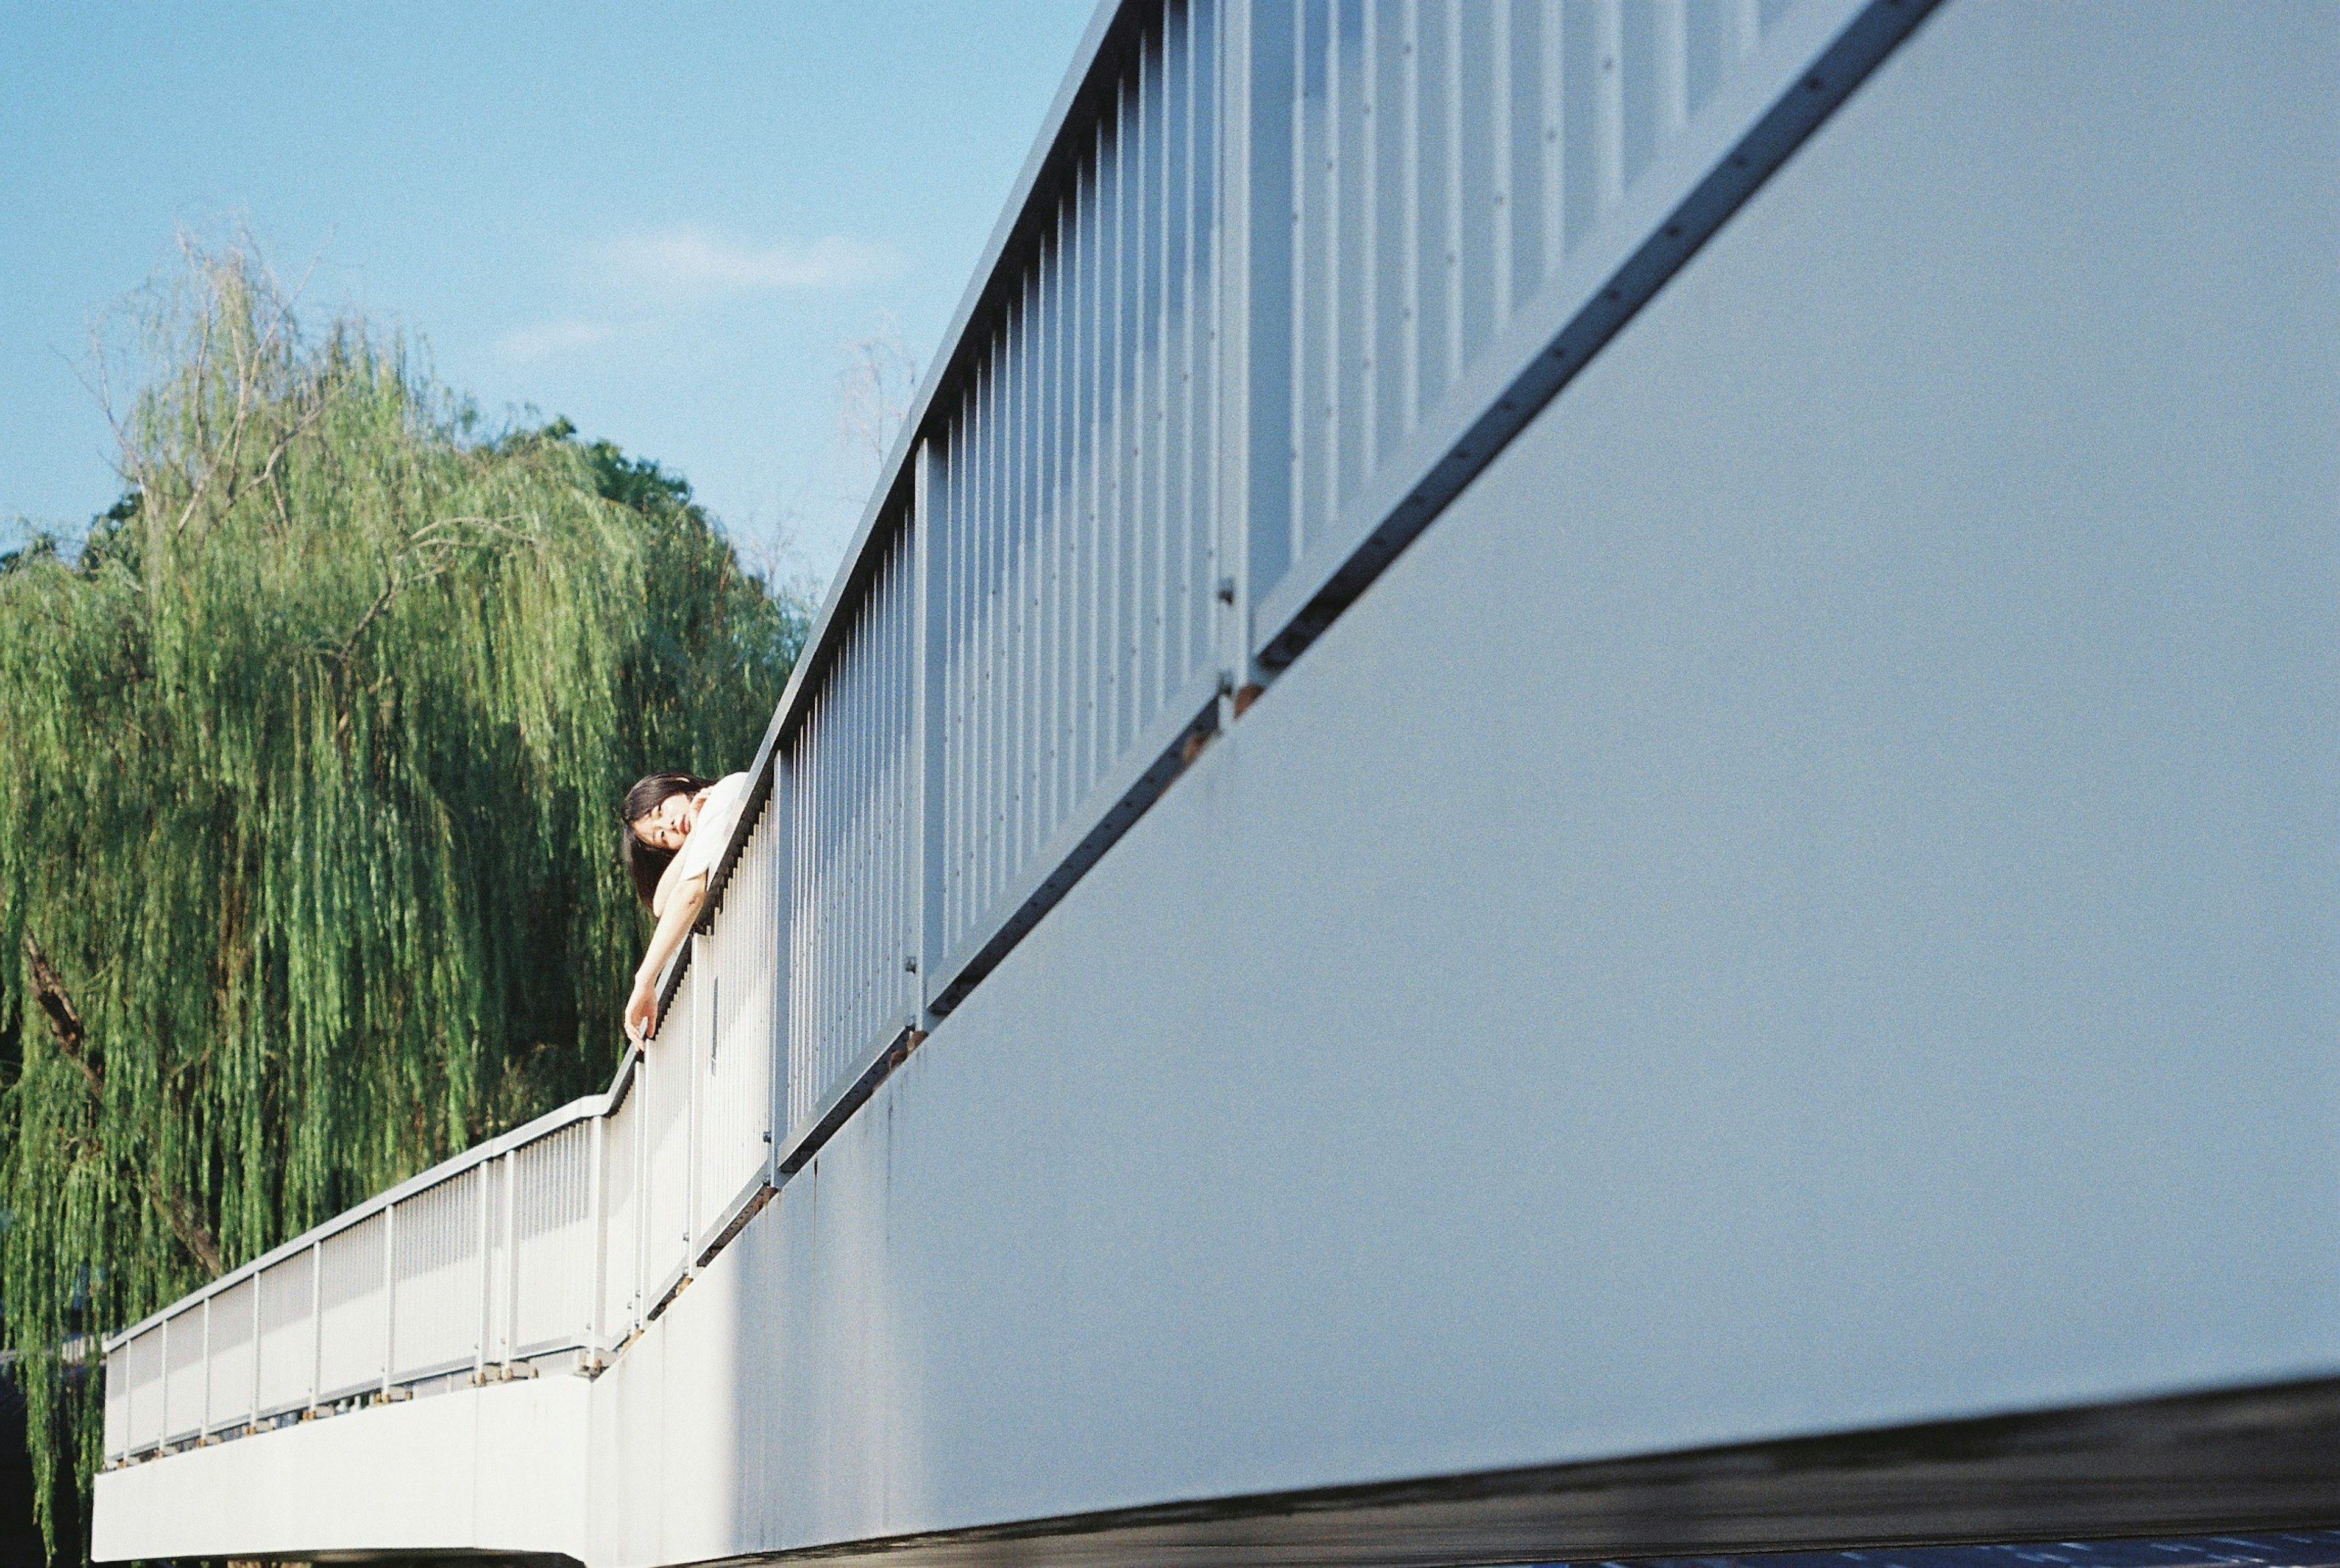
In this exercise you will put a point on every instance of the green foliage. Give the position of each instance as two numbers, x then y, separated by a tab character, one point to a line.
308	763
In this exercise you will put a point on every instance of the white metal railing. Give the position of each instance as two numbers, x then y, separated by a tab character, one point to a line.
1280	278
557	1241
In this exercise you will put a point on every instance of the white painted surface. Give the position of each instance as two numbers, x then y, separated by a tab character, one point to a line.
496	1469
1806	899
1809	898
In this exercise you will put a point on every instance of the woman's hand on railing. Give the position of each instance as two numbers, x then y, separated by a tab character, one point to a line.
642	1009
676	917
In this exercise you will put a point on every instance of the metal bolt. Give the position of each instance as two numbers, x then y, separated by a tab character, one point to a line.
1226	591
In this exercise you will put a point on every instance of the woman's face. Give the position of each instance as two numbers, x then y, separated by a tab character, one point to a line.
667	825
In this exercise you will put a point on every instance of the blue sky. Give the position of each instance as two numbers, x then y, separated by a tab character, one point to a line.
668	223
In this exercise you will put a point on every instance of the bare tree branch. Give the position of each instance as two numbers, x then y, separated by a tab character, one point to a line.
441	552
64	1018
184	1220
186	1226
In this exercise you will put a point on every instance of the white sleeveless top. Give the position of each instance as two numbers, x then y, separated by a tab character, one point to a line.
710	836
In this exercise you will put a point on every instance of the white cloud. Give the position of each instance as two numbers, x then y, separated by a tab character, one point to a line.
693	260
529	344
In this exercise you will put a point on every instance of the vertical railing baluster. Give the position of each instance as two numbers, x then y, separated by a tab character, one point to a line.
926	734
642	1188
1495	147
1128	412
694	1072
163	1423
389	1293
983	519
1554	126
1039	725
1089	593
1021	339
1415	177
597	1212
316	1322
258	1290
1314	221
486	1253
1255	321
1162	211
797	930
1674	68
1610	120
512	1256
784	854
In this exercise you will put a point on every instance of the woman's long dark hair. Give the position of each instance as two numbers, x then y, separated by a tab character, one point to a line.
646	863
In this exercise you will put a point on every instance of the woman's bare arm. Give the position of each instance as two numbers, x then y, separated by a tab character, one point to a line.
678	912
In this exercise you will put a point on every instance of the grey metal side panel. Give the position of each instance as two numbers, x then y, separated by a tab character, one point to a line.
1806	899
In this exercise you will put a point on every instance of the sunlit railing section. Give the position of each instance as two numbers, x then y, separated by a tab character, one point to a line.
666	1084
547	1247
231	1347
423	1283
741	1033
441	1253
352	1316
616	1264
288	1346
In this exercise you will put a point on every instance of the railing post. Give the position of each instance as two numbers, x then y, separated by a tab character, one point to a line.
162	1394
203	1374
927	731
703	1198
259	1288
1255	437
388	1293
643	1212
784	856
487	1249
316	1322
597	1209
695	1072
512	1256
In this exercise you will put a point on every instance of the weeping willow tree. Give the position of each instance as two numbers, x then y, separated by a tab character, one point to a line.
308	761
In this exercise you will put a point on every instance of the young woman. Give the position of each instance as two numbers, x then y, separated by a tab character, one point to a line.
677	827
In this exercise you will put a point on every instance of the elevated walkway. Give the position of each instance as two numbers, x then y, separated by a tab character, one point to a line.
1369	935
